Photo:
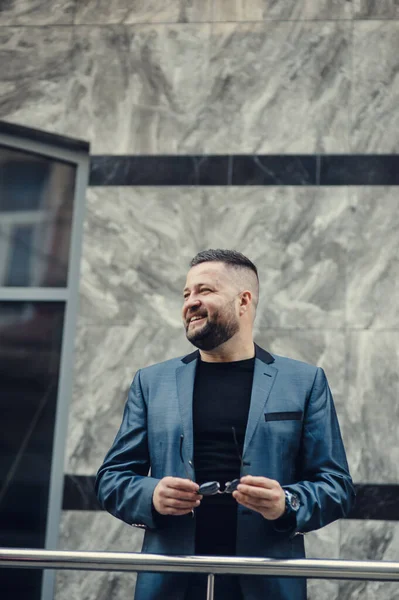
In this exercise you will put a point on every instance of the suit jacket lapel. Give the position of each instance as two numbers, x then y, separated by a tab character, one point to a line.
264	377
185	376
263	381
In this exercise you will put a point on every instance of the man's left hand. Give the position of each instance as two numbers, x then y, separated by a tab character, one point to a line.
264	495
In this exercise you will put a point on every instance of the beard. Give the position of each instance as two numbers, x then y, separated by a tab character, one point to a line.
215	332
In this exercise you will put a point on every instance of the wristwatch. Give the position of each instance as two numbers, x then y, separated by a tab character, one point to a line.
292	503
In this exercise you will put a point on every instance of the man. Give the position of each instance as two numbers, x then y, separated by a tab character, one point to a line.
230	411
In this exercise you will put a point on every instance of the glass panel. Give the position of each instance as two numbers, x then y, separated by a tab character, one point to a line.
30	349
36	206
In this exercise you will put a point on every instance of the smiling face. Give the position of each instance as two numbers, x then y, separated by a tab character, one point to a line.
211	305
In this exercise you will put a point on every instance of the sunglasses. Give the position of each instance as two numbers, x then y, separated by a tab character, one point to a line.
210	488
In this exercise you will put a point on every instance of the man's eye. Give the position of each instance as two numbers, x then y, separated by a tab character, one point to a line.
205	290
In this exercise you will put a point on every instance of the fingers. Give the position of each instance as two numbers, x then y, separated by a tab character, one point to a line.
173	493
179	505
181	484
245	502
182	489
247	499
259	493
175	496
269	511
179	501
262	495
263	482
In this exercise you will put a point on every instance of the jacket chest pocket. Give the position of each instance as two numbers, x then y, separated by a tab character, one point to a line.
284	416
282	435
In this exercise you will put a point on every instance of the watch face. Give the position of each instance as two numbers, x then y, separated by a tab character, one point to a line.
294	501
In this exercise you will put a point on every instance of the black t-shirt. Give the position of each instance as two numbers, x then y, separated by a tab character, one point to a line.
222	394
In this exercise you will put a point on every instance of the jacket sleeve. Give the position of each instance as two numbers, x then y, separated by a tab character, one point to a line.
325	487
122	485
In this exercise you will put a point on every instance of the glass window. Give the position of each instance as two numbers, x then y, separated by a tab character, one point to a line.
30	350
36	207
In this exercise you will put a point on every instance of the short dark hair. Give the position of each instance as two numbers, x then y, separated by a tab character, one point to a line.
229	257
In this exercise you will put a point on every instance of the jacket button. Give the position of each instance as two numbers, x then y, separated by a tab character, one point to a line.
246	463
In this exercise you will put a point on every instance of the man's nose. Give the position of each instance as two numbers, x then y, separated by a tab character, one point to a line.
192	303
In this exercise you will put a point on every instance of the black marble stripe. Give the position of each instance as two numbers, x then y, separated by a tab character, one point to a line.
159	170
79	493
360	169
373	501
244	170
202	170
376	502
274	170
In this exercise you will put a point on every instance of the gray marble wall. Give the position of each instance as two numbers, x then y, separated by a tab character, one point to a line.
250	76
262	76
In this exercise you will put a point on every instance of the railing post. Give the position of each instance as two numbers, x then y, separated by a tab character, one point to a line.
211	587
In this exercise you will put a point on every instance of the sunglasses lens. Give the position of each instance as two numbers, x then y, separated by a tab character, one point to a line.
231	486
209	489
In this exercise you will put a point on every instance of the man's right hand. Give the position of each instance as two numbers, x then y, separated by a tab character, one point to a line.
175	496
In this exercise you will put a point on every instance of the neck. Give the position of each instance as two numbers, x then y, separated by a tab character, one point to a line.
229	352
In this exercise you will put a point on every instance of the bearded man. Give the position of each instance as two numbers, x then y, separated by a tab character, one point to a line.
243	446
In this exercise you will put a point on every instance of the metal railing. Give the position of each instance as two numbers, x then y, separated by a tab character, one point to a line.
212	565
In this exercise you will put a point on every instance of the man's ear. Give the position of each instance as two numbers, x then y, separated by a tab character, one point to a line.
245	300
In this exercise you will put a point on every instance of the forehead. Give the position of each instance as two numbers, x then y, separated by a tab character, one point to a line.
208	272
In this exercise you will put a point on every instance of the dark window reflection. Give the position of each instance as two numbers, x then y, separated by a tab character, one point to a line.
36	205
30	348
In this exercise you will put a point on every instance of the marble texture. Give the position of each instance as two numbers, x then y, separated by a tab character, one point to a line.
244	170
141	11
219	169
34	69
320	261
326	349
324	544
297	238
328	256
316	249
371	408
273	170
107	359
88	531
277	87
373	259
369	540
374	500
301	257
138	89
376	9
168	89
359	169
259	10
137	245
98	102
375	87
174	170
36	12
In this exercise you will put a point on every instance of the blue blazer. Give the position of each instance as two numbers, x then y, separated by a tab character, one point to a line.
292	436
